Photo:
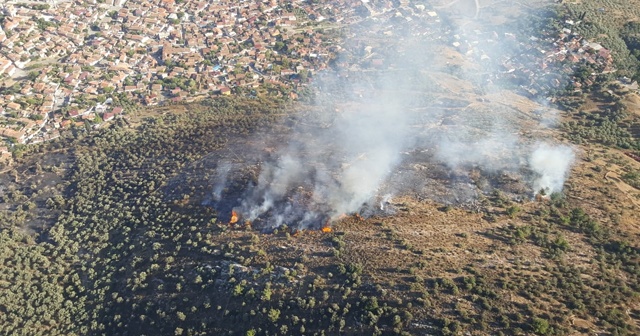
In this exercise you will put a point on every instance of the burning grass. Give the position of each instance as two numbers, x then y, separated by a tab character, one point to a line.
420	176
304	170
234	217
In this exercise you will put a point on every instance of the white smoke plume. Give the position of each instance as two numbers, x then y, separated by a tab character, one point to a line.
220	180
324	172
493	152
340	160
551	165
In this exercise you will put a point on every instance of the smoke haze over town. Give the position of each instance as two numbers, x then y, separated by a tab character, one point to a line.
369	123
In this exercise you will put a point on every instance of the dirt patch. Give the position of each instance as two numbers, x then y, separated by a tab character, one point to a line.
632	101
628	190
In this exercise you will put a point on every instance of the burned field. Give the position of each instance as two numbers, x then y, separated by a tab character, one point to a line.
301	170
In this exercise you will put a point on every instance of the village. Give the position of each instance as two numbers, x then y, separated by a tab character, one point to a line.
83	63
76	63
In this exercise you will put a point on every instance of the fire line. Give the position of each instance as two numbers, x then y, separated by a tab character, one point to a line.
234	217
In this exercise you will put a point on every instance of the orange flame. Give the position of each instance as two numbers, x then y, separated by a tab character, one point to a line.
234	217
327	229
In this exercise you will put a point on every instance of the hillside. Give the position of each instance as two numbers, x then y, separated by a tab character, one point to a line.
133	255
116	232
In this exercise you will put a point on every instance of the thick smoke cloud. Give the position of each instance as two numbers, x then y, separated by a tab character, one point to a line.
491	152
551	165
340	158
324	172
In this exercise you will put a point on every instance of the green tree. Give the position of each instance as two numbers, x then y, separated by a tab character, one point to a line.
540	326
274	315
266	293
33	75
513	210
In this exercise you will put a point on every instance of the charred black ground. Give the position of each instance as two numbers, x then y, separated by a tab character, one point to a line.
224	178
